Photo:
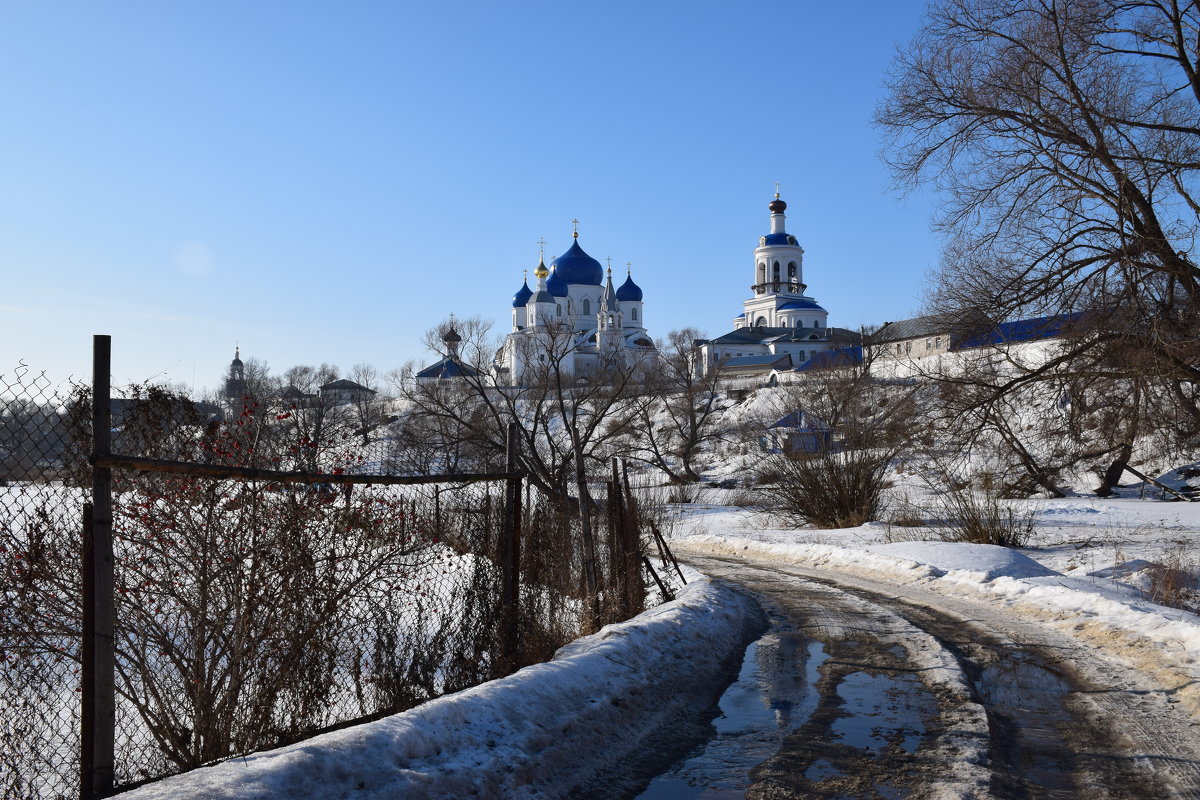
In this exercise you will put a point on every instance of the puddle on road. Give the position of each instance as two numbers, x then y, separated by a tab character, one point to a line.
1025	706
773	695
866	719
883	710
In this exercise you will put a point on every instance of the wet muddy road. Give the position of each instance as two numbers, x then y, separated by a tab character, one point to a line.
865	690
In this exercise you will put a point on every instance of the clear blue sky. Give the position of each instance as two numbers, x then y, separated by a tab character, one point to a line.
324	182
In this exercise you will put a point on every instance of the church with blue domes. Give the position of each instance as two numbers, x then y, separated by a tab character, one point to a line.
575	314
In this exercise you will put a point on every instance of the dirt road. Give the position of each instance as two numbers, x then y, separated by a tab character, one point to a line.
906	693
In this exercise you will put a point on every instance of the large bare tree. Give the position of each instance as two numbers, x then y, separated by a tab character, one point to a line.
1064	137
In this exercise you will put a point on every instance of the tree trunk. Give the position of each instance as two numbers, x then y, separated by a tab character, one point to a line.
1112	475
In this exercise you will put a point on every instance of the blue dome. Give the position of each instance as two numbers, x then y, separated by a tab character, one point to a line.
576	266
556	285
801	304
777	238
522	296
630	291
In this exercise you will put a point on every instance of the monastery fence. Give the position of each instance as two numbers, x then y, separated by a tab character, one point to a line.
172	599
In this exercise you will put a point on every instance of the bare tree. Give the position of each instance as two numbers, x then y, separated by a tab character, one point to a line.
670	432
1065	140
367	407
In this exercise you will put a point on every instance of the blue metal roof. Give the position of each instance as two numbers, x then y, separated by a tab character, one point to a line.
576	266
830	359
630	291
522	296
447	368
809	304
1022	330
778	238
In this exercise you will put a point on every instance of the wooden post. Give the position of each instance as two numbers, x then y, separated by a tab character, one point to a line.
98	714
510	560
633	546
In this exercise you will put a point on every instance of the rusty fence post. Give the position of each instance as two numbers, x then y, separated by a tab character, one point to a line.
98	714
510	558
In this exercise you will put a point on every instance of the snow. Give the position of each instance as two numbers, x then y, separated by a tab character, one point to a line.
537	733
1085	573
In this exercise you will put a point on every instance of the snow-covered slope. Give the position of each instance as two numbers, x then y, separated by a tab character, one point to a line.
538	733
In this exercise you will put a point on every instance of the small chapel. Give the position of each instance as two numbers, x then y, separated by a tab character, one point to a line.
576	314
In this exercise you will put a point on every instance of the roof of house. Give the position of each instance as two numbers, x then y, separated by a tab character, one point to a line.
755	362
760	335
833	359
802	420
448	368
343	385
965	323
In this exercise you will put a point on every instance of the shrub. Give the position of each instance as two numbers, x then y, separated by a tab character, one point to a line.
981	518
829	489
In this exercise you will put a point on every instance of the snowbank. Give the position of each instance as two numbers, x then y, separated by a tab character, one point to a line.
538	733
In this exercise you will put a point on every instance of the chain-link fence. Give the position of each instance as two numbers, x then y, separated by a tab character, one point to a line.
253	605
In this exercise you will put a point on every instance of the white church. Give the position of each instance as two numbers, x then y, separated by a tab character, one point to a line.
575	316
780	326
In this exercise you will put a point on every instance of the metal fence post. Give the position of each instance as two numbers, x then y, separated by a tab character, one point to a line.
98	717
510	558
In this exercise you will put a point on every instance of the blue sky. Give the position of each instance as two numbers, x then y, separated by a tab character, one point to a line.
325	182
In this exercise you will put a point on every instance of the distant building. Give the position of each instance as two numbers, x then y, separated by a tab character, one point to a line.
343	392
927	336
449	368
235	380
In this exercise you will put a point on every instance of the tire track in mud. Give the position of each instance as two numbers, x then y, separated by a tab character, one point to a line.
1029	713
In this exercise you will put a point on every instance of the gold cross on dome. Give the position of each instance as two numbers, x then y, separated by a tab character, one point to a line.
776	189
629	268
575	229
541	243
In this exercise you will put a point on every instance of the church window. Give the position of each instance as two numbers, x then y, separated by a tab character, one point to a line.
792	269
907	347
633	311
762	272
775	271
558	307
761	322
937	342
587	306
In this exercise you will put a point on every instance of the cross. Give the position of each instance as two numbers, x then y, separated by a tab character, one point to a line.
609	260
629	268
575	231
541	243
525	275
776	189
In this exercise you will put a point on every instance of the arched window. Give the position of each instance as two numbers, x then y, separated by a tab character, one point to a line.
761	322
799	322
633	311
775	271
792	269
762	272
587	306
558	307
